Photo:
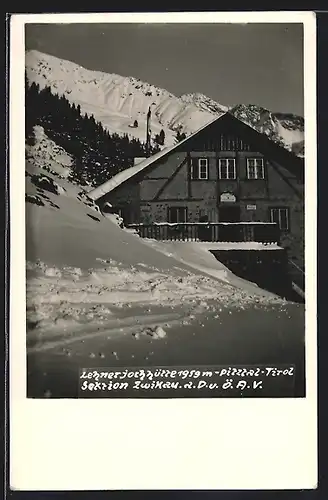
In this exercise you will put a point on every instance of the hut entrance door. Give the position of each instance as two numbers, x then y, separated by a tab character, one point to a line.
229	213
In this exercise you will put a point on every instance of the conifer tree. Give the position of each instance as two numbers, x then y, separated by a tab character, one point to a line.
160	138
98	154
180	136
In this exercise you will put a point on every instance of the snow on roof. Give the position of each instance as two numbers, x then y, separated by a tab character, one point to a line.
123	176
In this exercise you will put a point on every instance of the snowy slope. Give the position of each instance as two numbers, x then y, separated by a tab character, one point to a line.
117	101
46	154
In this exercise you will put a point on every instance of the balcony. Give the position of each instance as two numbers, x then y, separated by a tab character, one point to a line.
261	232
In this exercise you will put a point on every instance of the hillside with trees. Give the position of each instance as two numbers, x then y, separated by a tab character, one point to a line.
98	156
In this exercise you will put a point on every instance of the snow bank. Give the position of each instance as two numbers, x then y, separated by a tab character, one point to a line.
46	154
65	232
197	255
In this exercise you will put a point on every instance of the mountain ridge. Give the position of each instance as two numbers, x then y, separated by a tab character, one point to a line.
121	104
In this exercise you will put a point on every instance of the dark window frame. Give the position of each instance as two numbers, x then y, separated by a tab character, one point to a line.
200	168
255	159
195	168
287	209
225	159
179	207
126	213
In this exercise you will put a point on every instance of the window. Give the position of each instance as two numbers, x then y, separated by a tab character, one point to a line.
199	169
177	214
227	168
281	217
255	168
127	214
203	168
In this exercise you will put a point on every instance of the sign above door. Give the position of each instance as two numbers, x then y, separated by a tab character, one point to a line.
227	198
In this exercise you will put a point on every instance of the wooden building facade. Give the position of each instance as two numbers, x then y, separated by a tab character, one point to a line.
225	172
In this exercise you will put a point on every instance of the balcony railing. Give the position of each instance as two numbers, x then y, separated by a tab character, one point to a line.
262	232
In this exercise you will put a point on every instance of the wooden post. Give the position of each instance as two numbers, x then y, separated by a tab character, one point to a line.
148	133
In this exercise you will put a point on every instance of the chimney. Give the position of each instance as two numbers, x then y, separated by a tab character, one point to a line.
148	133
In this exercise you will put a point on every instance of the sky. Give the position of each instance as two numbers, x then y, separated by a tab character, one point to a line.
231	63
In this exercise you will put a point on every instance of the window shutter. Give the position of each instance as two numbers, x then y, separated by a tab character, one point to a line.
275	215
194	168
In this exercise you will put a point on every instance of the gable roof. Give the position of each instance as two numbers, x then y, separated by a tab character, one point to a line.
126	174
291	162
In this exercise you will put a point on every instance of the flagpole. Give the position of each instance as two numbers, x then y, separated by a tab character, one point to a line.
148	133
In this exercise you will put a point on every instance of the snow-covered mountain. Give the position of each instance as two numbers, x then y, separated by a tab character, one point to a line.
284	128
118	101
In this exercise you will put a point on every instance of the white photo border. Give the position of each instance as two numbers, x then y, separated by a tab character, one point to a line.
159	444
